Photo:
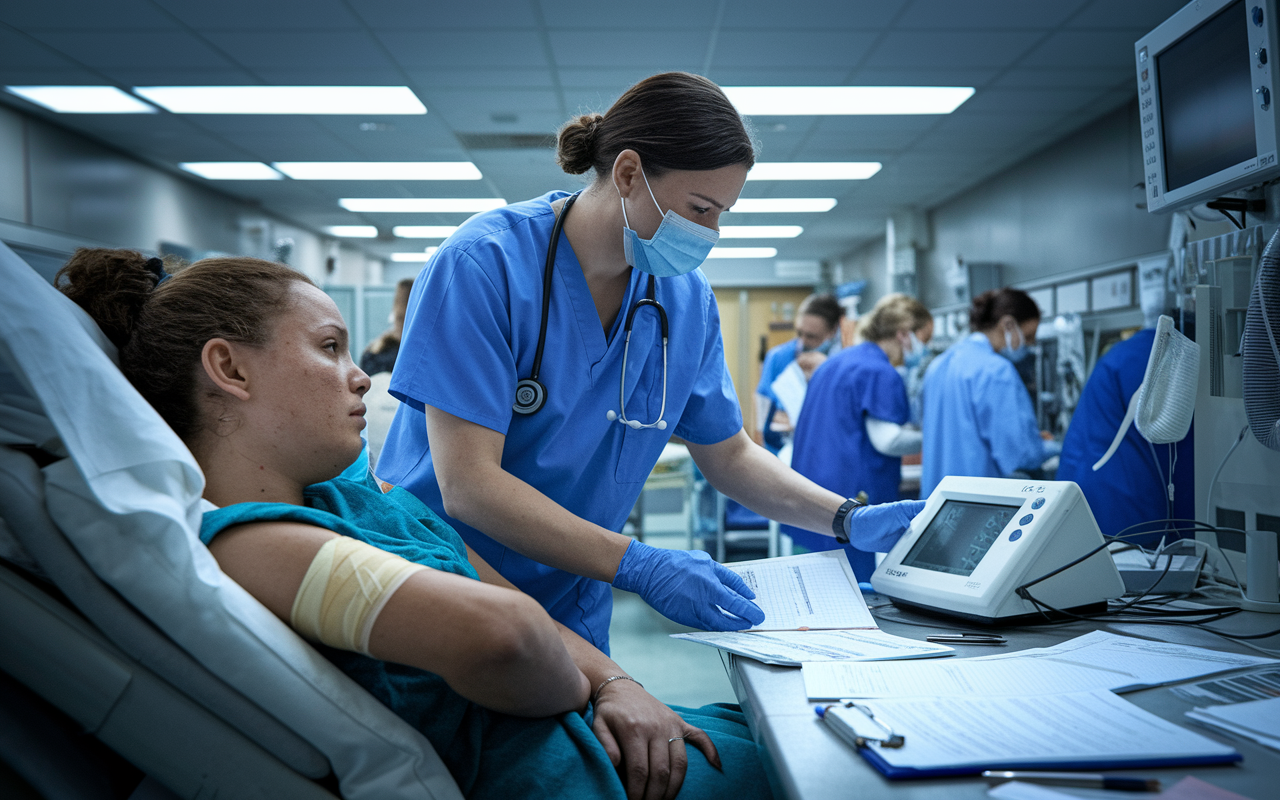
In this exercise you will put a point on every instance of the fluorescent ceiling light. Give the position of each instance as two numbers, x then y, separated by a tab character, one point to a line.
783	205
743	252
352	231
760	231
423	231
771	101
814	171
379	170
422	205
232	170
411	257
82	99
284	99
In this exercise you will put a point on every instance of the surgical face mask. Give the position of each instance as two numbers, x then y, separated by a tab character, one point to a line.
824	348
1014	354
912	356
677	247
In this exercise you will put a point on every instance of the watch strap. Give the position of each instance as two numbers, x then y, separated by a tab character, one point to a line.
837	524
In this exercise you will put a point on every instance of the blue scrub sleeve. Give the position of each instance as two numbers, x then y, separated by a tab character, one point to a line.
1003	410
456	353
712	413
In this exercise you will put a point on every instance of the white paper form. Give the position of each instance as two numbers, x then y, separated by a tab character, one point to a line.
988	732
814	590
791	648
790	388
959	678
1150	663
1258	720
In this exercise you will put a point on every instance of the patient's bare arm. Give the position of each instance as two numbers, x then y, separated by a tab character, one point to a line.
493	645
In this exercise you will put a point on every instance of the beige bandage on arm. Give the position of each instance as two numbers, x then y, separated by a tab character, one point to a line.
344	590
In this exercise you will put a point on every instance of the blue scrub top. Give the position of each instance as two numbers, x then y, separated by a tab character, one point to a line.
776	360
978	418
1131	487
831	446
470	334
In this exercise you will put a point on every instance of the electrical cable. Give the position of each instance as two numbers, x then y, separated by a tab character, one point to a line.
1208	500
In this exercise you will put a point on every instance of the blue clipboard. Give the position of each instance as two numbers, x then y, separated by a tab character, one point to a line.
891	772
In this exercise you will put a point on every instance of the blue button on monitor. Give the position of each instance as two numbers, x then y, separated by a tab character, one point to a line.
1026	520
1016	535
1037	503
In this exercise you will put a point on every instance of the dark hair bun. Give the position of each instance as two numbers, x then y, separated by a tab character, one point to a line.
112	285
576	143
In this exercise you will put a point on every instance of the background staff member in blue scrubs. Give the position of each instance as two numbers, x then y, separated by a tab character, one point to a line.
978	418
541	496
851	438
817	336
1133	486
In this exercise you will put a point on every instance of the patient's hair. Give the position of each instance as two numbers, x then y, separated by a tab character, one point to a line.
893	313
161	330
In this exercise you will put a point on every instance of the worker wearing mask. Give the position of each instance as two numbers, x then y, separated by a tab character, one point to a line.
817	337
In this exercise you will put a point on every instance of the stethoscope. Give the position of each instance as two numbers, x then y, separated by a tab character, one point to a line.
531	395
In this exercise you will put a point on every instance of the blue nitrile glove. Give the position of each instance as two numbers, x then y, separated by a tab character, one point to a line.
686	587
876	529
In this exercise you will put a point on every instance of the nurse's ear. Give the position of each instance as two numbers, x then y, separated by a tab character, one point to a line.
224	366
626	173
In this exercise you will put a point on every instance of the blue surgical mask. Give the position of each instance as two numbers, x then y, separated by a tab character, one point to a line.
824	348
912	357
1014	354
677	247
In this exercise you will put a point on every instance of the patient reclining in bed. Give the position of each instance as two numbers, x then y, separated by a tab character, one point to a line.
248	362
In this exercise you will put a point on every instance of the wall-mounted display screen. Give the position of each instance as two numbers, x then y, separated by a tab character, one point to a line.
959	535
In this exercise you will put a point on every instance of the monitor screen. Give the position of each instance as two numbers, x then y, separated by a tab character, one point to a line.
1206	99
958	536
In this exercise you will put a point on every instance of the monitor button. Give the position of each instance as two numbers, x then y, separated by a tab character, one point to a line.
1026	520
1016	535
1038	502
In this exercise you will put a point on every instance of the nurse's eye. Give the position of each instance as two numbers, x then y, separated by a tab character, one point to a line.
331	346
701	209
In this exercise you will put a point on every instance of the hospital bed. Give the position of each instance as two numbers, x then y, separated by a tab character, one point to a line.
114	613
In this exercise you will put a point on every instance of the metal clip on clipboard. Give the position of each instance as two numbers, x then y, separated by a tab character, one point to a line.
889	739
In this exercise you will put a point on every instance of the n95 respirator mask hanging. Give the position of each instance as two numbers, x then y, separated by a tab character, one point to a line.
1164	404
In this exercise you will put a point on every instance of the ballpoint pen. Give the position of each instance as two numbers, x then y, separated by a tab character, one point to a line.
1076	779
966	638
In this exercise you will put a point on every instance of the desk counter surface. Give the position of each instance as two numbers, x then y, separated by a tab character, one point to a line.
806	760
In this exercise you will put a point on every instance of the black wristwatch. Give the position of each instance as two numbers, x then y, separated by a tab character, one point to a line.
837	524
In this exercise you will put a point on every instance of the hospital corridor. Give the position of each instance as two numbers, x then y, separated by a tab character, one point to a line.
592	400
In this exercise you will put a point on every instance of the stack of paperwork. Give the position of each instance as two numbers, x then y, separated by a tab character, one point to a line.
814	612
1258	720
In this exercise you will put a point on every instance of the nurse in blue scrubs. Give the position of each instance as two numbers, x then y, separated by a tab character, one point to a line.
978	418
1134	486
853	432
553	347
817	336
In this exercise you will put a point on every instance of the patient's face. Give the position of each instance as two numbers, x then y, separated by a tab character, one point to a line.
306	403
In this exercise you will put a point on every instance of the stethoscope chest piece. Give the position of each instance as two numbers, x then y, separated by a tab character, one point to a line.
530	396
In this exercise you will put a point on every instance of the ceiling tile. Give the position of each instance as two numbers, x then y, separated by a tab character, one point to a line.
987	15
815	14
500	78
406	14
330	76
1026	100
752	75
619	17
20	51
979	133
79	15
932	76
784	48
161	75
657	50
455	49
261	15
1110	14
1091	49
134	48
1042	77
949	49
327	50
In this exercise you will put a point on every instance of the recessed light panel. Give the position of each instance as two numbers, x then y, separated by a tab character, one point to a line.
760	231
232	170
743	252
284	99
777	101
352	231
814	171
82	99
422	205
379	170
783	205
424	231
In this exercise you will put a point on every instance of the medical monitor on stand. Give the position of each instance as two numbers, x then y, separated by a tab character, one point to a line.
1206	80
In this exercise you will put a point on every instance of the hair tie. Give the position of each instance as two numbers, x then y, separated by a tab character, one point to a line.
156	267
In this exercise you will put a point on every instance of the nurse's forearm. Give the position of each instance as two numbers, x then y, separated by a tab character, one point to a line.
479	492
754	477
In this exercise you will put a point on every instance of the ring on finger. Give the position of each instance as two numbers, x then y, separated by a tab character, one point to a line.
675	739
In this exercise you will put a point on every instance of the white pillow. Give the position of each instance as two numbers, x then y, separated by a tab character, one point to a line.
128	498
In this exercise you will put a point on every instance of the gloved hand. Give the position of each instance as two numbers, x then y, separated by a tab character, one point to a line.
686	587
876	529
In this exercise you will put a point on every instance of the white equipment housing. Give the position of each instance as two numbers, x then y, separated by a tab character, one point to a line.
979	539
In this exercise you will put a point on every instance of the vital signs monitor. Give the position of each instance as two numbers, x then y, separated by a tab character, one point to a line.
979	539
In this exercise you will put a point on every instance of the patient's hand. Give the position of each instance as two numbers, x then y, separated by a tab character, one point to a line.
633	726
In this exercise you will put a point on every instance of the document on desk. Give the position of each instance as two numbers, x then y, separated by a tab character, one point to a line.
956	678
814	611
1081	730
1150	663
1258	720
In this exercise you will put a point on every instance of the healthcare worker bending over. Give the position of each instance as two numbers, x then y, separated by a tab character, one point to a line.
817	336
978	418
852	434
555	345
